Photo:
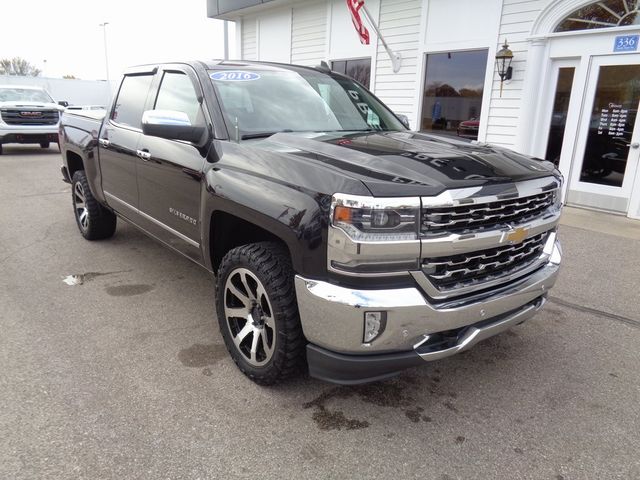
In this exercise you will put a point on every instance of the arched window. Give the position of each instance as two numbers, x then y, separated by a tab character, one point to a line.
605	14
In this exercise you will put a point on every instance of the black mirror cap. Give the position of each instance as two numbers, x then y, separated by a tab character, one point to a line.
404	120
187	133
63	103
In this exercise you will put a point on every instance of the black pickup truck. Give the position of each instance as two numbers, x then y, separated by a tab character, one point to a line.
340	240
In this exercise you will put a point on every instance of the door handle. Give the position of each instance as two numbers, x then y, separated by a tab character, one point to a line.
104	142
633	145
144	155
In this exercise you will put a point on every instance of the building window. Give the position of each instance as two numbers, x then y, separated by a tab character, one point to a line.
605	14
559	114
357	68
454	84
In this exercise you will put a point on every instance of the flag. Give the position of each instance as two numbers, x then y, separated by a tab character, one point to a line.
354	7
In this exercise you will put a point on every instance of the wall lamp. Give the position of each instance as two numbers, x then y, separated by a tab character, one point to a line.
504	57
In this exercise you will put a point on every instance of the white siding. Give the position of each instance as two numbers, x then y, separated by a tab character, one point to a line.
248	48
308	33
400	26
274	36
504	113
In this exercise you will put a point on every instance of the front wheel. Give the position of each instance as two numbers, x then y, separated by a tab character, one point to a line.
94	221
258	313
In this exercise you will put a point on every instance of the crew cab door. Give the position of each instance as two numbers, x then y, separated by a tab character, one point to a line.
118	142
170	171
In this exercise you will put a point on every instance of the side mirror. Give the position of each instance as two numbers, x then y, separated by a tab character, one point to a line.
404	120
171	125
63	103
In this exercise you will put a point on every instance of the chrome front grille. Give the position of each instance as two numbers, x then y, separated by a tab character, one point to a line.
26	116
478	217
464	270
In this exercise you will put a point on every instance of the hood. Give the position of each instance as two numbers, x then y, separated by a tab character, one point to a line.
32	105
409	163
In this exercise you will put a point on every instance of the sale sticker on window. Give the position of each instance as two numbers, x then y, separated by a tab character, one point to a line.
626	43
234	76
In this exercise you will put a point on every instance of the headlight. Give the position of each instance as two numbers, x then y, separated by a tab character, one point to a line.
557	194
376	219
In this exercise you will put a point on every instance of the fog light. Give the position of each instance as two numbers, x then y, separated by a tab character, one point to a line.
374	325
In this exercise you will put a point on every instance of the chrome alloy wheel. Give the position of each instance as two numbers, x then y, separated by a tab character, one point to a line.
249	317
80	205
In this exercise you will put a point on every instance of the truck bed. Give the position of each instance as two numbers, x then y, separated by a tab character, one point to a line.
86	120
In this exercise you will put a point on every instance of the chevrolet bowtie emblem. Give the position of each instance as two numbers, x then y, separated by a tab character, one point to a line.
517	235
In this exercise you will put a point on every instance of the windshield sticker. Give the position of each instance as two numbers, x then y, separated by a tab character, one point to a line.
234	76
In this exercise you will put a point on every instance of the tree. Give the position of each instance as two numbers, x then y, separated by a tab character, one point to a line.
18	66
70	77
439	89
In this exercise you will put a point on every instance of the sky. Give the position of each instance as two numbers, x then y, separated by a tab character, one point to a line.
63	37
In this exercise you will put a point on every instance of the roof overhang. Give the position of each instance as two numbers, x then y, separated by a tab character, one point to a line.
232	9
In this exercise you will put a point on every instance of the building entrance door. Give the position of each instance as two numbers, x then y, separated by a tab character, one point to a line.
603	173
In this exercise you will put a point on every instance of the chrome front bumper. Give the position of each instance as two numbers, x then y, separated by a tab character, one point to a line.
27	130
332	316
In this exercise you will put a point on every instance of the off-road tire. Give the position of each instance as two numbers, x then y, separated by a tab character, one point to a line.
44	144
100	223
271	265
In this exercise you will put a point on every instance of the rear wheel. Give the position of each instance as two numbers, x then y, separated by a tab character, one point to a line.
94	221
44	144
0	149
258	313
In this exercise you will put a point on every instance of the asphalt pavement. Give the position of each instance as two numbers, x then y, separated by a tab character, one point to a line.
123	374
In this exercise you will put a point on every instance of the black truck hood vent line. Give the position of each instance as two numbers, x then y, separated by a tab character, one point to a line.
424	164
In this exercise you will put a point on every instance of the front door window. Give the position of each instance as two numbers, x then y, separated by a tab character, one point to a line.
613	117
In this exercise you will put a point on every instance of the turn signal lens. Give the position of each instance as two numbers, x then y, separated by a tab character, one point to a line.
342	214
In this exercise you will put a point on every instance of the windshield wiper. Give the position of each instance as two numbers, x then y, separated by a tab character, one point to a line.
248	136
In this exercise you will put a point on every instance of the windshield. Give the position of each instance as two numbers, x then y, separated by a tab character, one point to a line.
24	95
268	101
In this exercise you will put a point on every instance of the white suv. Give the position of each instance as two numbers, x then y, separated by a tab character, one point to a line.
28	115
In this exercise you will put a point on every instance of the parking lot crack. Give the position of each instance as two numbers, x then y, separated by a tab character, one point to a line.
594	311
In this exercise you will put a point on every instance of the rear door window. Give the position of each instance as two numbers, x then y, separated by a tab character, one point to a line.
131	100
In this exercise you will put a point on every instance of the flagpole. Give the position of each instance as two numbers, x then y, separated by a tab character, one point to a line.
396	58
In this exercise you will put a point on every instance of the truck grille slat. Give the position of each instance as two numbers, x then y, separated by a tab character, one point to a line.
456	271
487	216
26	116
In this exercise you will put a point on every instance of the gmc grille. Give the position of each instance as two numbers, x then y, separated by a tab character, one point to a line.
457	271
485	216
25	116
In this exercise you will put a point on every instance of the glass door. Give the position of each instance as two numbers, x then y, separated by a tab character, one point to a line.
604	169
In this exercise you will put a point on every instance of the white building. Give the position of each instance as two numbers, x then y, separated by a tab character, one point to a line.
573	96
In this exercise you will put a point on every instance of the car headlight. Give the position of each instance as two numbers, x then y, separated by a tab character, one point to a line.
376	219
557	194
